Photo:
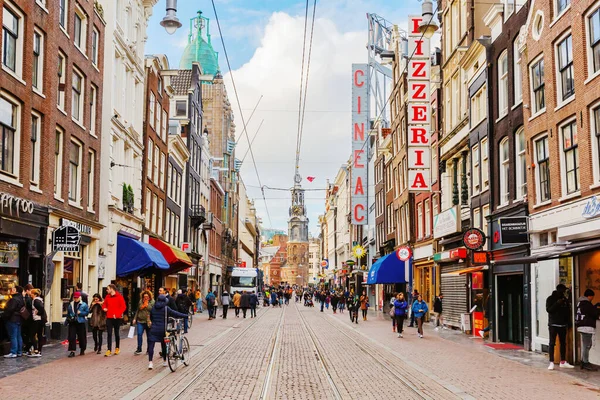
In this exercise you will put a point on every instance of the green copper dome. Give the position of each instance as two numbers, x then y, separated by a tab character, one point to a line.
199	48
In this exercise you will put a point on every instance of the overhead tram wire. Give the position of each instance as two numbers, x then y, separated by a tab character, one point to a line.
301	87
251	143
237	98
250	119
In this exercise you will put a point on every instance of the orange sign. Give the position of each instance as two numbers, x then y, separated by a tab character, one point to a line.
480	257
477	322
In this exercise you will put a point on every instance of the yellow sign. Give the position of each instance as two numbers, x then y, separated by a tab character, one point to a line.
359	251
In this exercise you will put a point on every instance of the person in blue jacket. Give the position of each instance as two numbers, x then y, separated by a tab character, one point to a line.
400	306
419	309
76	314
158	327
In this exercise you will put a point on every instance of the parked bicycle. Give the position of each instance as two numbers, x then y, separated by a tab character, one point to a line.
178	347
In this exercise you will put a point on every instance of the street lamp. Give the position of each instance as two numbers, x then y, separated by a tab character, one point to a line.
428	25
170	21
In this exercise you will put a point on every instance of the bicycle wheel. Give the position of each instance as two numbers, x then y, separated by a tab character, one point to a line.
172	354
185	351
190	319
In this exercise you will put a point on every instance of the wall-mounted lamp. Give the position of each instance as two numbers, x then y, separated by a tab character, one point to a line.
170	21
428	25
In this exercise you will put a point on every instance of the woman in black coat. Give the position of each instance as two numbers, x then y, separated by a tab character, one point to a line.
158	327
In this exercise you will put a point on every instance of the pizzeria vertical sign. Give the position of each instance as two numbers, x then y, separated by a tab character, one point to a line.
360	123
419	108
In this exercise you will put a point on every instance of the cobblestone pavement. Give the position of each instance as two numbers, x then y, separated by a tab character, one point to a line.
299	353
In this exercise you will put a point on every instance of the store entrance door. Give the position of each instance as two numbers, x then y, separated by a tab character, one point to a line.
509	289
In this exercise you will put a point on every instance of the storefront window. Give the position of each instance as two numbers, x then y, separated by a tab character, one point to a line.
9	269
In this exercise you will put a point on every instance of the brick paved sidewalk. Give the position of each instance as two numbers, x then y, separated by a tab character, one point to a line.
468	365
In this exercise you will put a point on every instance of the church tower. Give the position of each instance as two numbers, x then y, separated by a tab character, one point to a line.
296	270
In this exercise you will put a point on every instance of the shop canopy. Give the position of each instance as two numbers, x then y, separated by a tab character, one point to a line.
176	258
389	269
466	271
135	257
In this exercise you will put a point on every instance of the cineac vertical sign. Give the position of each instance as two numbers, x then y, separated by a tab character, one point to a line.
360	147
419	108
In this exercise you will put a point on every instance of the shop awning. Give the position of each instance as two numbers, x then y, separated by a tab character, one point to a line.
466	270
389	269
135	257
176	258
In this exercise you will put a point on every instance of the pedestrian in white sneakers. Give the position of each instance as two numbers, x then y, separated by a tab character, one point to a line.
558	307
158	327
437	311
419	309
400	306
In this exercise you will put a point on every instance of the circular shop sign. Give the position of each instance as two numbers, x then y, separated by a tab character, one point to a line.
324	264
403	253
474	239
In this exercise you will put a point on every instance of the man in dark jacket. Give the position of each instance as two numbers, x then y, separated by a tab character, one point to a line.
437	310
253	304
411	300
184	304
245	302
559	317
12	316
170	300
585	320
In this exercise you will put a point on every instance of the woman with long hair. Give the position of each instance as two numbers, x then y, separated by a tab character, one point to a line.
97	321
364	304
400	306
419	309
141	319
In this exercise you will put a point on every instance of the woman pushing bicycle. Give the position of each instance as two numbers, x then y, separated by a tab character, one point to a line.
158	327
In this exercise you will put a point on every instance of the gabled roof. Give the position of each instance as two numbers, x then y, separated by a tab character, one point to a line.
182	82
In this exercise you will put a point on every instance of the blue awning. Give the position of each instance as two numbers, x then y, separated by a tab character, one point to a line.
135	257
389	269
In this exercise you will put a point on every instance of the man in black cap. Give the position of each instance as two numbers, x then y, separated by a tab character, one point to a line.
559	318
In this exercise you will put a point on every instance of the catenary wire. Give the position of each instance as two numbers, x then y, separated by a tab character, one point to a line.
250	119
301	82
252	142
240	108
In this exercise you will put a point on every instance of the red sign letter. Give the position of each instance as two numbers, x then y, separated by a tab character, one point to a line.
419	135
419	67
359	130
356	208
419	154
419	182
357	155
415	27
358	71
359	187
419	114
420	93
419	47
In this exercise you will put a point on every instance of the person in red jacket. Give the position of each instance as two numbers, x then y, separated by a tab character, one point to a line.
114	307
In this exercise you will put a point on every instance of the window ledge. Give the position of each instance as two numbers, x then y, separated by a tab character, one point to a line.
13	74
36	91
595	185
555	20
43	7
500	118
57	197
592	77
61	110
517	104
35	188
79	124
534	116
62	28
92	134
81	51
13	180
564	103
570	196
74	204
542	204
502	205
91	211
95	67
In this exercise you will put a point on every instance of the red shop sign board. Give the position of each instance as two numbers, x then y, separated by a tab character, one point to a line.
477	323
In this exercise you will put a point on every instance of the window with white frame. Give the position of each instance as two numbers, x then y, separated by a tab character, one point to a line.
10	126
168	228
595	129
161	183
485	211
159	220
95	44
570	150
148	209
475	163
427	218
509	8
593	23
434	163
434	205
77	96
517	73
93	108
477	218
520	164
504	159
150	154
75	172
485	165
537	86
38	60
58	161
79	29
180	108
158	115
503	84
12	39
62	80
478	105
36	138
163	129
91	179
151	118
564	59
156	161
542	160
63	13
561	5
153	214
419	221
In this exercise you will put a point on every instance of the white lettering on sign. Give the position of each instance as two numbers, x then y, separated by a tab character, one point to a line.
360	147
419	108
16	204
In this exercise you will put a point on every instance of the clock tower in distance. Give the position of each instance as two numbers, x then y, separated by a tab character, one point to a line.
296	269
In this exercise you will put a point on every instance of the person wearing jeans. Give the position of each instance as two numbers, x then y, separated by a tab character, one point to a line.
142	319
419	309
585	319
97	321
400	306
114	307
253	304
14	322
559	316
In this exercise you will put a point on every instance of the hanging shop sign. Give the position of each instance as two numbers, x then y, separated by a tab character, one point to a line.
360	146
480	258
359	251
474	239
12	205
325	264
404	253
66	238
446	223
82	228
591	208
450	255
419	108
513	230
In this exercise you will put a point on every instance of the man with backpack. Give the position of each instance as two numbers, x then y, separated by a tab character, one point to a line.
585	319
15	313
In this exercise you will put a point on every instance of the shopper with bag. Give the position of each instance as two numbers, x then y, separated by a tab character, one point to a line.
39	317
97	321
114	307
77	312
141	320
14	314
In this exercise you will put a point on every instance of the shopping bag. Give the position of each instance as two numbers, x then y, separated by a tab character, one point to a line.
131	332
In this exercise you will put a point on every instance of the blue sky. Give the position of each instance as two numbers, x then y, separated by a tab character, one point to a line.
264	43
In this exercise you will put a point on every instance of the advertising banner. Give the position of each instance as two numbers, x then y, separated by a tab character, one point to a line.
360	147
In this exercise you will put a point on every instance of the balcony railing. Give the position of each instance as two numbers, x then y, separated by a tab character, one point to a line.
197	215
